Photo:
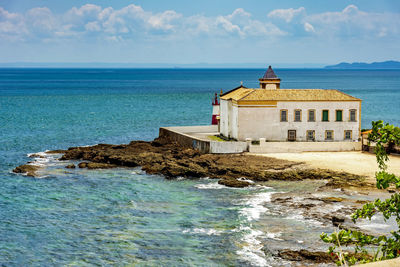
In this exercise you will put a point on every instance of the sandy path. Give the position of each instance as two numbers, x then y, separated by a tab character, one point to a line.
361	163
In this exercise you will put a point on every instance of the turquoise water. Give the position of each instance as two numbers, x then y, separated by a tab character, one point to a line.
124	216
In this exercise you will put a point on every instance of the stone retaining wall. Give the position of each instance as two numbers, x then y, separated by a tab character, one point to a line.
287	147
183	137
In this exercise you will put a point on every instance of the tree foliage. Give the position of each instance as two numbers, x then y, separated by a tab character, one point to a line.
368	248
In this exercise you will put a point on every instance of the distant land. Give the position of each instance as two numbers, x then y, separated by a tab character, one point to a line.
361	65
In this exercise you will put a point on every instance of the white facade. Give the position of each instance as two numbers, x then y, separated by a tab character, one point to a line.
265	122
228	124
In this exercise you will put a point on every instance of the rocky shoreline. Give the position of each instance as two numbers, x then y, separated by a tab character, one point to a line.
164	157
169	159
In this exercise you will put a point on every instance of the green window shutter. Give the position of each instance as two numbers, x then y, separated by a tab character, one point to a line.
338	115
325	115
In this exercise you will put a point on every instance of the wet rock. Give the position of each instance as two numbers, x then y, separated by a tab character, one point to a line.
165	157
336	221
332	199
305	255
96	165
36	156
57	151
82	164
70	166
29	170
234	183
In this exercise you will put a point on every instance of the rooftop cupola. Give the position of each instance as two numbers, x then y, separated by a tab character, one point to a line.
270	80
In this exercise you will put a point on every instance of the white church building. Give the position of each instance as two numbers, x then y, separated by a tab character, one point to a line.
282	115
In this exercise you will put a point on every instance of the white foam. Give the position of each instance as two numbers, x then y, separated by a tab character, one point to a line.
300	217
274	236
255	205
202	231
246	180
252	251
41	162
42	154
297	217
210	186
373	226
138	171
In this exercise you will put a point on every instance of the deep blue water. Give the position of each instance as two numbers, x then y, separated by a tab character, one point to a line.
123	216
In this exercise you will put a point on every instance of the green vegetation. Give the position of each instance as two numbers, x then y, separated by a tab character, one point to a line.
216	138
368	248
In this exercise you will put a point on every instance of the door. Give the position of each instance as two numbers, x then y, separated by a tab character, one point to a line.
292	135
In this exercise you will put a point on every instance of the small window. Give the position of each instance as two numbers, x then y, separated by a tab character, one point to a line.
353	115
283	115
311	115
329	135
339	114
297	115
325	115
292	135
348	135
310	135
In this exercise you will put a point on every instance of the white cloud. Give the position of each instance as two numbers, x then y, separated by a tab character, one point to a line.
164	20
286	14
12	27
93	26
133	22
40	21
351	22
241	23
308	27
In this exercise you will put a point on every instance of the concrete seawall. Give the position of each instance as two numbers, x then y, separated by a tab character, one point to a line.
196	137
285	147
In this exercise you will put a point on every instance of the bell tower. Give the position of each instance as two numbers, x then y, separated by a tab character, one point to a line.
270	81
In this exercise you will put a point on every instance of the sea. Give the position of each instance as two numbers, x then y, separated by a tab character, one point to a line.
124	217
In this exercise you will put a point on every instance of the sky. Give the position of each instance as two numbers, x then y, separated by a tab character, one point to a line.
286	33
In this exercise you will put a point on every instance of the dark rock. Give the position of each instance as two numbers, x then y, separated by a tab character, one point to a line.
336	221
57	151
29	170
70	166
96	165
36	156
305	255
165	157
234	183
82	164
332	199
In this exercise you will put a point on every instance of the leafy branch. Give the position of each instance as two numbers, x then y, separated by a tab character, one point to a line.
368	248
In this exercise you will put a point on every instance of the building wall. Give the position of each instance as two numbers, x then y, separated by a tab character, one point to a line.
224	117
294	147
228	119
264	122
234	123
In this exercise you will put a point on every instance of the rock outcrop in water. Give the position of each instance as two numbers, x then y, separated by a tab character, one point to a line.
164	157
27	169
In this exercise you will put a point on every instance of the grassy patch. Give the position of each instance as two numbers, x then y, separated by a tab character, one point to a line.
215	138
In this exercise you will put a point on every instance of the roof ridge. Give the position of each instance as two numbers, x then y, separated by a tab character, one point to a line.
252	91
240	86
347	94
298	94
